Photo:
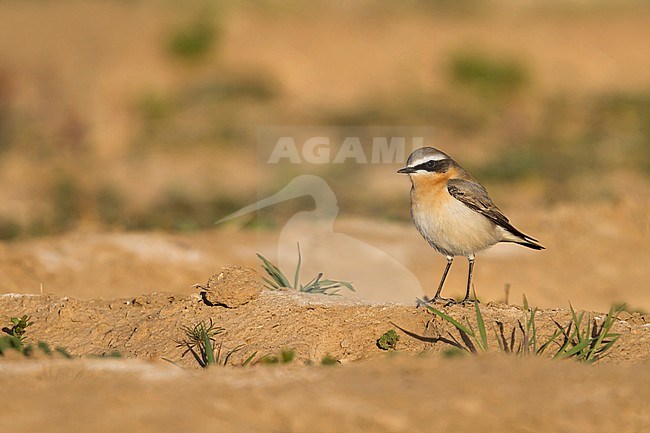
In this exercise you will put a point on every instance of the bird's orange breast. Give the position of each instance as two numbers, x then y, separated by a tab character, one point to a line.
430	190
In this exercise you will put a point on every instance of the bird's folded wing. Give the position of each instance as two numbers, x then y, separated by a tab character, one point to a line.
474	196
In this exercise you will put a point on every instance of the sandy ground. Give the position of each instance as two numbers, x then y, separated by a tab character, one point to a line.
97	299
390	395
369	390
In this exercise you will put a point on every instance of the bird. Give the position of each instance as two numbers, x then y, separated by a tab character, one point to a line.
454	213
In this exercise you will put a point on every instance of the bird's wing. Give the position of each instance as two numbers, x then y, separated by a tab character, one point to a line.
474	196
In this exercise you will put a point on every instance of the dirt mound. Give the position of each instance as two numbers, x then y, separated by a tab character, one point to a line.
150	327
384	391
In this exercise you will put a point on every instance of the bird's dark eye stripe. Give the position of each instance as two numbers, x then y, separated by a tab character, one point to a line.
424	166
431	165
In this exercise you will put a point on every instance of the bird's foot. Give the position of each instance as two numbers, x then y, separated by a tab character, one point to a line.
468	301
439	299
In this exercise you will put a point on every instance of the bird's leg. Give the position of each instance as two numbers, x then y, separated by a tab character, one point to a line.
471	259
437	297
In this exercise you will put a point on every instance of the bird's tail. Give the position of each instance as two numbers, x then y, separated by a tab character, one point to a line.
513	235
532	243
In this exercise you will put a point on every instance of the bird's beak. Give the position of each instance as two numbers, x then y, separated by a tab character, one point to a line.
406	170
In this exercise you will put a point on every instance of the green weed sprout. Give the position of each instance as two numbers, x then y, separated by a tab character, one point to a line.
587	343
329	360
19	327
583	340
316	285
200	341
473	341
528	344
388	340
286	356
15	339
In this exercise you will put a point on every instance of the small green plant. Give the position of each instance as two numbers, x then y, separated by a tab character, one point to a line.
587	343
473	341
194	40
15	339
200	341
583	340
486	75
315	285
329	360
286	356
18	328
625	307
113	354
453	352
62	351
527	344
388	340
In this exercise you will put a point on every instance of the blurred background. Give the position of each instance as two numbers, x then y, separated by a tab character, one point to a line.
143	114
140	115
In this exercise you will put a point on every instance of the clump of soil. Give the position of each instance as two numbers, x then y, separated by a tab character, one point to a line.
231	287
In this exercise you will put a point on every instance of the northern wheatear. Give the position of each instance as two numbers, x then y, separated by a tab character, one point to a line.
454	213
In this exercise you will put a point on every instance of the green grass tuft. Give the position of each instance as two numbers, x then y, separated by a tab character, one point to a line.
15	340
317	284
200	340
581	339
329	360
194	40
388	340
584	340
486	75
286	356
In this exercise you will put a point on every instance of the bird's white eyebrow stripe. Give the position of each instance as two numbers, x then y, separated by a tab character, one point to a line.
438	157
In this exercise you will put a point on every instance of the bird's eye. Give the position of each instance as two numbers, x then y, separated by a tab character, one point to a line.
429	164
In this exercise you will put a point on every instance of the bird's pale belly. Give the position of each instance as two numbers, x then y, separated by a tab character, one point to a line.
454	229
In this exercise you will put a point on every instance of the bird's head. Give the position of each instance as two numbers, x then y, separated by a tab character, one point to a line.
426	161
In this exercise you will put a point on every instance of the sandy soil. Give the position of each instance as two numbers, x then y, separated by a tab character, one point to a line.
149	326
410	389
98	299
397	394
